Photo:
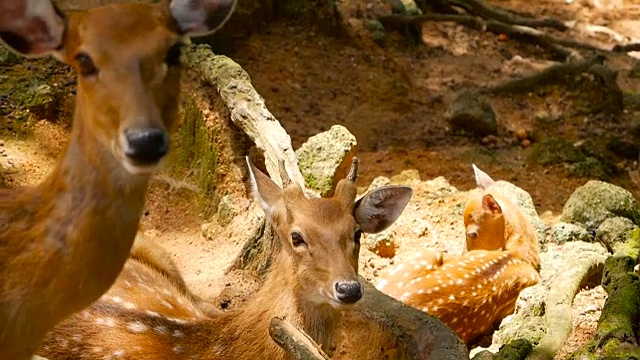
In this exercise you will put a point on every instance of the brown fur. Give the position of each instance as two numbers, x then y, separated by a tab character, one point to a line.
150	314
472	292
64	242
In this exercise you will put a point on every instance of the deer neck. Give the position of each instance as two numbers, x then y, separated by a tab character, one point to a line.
91	207
278	297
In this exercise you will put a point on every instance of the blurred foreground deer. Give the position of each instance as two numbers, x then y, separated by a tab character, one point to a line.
64	242
313	278
472	292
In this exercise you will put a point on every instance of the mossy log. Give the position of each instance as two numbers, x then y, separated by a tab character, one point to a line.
247	108
616	334
294	341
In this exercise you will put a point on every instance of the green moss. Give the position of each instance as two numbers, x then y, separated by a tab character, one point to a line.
195	154
555	151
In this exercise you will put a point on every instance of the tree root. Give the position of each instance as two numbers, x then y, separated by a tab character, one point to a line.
478	15
570	280
616	333
295	341
556	74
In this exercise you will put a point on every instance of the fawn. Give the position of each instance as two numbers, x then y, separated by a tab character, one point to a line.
472	292
313	277
64	242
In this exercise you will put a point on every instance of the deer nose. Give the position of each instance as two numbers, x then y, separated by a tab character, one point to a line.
146	145
349	292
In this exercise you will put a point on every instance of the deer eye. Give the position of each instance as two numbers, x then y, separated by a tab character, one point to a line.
357	236
173	55
85	65
297	239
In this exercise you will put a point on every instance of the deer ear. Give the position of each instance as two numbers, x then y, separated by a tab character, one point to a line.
490	205
483	180
201	17
31	27
381	207
266	192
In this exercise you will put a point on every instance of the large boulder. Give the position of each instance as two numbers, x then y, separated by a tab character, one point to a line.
325	158
594	202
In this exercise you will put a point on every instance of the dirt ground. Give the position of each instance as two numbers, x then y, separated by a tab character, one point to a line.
392	99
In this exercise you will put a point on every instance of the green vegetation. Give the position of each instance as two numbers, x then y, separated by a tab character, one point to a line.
195	155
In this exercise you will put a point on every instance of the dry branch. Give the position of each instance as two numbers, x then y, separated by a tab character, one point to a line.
556	74
295	341
247	108
487	11
524	33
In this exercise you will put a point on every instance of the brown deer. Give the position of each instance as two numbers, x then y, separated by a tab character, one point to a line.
64	242
313	278
472	292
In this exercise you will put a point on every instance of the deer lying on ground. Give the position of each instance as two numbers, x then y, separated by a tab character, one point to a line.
313	278
472	292
64	242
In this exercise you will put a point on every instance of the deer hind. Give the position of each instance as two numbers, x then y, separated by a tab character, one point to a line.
63	243
148	314
472	292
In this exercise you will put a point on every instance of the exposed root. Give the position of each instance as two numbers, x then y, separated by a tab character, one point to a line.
295	341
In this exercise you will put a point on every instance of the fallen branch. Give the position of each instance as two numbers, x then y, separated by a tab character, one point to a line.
556	74
487	11
556	46
294	341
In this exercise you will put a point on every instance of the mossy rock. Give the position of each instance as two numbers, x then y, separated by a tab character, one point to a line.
591	204
563	232
471	112
555	151
8	57
590	167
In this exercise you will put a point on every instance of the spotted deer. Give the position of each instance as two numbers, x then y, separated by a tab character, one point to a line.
64	242
313	279
472	292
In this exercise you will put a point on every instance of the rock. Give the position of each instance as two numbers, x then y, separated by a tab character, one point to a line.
470	111
522	199
404	7
594	202
564	232
409	177
326	158
590	167
226	210
382	244
615	231
377	182
554	151
41	100
376	30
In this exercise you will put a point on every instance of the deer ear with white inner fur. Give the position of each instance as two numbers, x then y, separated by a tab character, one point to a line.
31	27
266	192
381	207
201	17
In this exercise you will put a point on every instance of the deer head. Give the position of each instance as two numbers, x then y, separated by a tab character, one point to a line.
321	237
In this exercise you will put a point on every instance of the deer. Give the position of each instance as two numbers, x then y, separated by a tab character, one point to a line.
64	242
473	292
313	279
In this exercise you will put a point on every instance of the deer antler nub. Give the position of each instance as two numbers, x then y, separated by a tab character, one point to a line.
353	172
286	181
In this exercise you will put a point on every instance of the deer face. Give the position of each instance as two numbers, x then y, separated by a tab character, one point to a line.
321	237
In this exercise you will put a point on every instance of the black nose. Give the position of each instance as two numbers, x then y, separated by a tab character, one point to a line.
349	292
147	145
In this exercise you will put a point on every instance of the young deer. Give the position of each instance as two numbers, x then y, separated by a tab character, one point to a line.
64	242
314	276
472	292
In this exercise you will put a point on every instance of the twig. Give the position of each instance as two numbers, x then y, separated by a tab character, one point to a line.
294	341
532	35
479	8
